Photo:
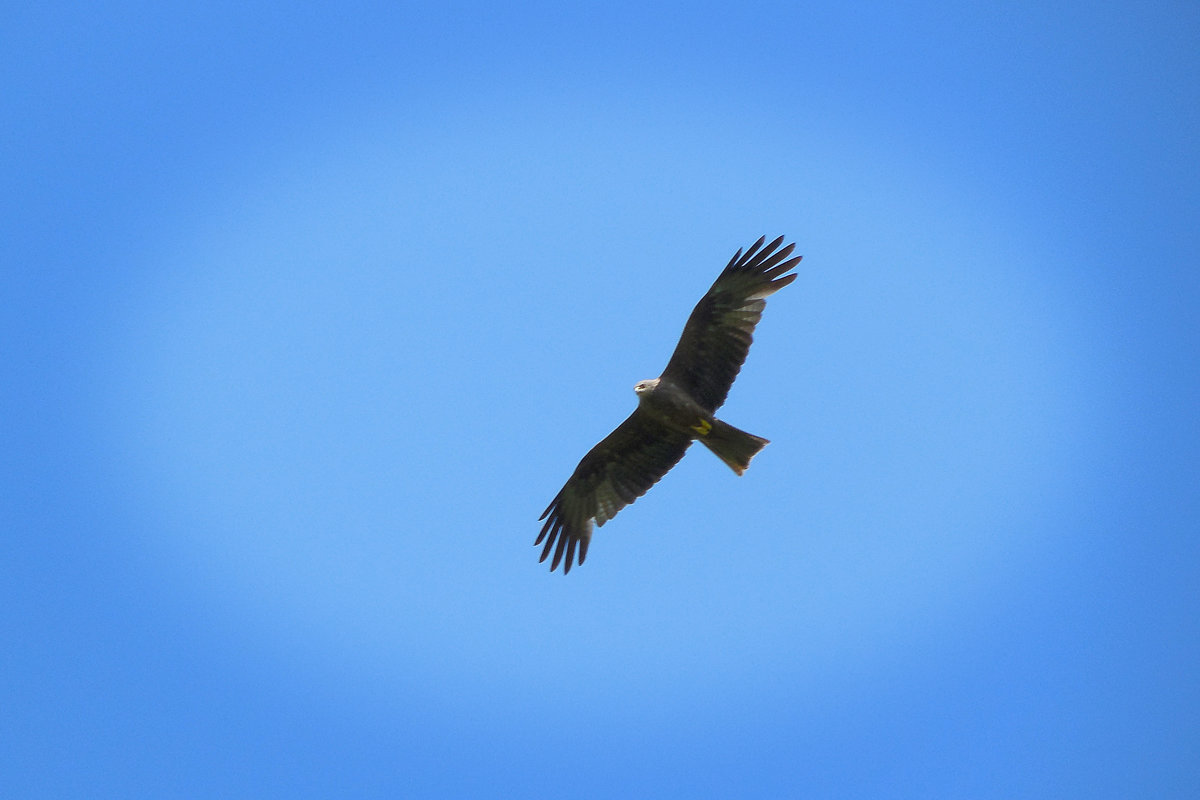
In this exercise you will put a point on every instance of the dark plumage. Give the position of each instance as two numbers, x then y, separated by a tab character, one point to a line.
675	408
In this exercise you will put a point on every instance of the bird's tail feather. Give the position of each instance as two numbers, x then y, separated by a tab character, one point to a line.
733	446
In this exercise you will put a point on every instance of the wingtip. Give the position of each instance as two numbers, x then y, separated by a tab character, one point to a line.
750	252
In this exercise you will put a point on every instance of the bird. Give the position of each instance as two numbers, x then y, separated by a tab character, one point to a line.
674	409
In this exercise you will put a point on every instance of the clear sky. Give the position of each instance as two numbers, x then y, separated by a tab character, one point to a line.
310	309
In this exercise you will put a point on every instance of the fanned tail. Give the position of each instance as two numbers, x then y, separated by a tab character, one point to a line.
733	446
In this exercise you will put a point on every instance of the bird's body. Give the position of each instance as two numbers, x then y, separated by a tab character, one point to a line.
665	402
675	408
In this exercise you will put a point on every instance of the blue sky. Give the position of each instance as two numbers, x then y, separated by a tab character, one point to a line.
309	312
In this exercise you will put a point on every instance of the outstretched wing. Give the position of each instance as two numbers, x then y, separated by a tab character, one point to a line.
717	336
612	475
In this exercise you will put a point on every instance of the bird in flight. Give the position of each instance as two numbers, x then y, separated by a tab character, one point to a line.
675	408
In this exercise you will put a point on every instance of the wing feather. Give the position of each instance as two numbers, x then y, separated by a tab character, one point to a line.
719	331
612	475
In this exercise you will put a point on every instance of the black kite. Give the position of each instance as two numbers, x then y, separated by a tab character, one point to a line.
675	408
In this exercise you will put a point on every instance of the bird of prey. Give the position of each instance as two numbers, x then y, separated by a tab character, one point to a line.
675	408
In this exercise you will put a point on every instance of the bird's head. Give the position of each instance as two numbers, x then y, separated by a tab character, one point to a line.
642	387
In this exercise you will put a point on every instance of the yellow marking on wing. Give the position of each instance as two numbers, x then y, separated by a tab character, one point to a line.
702	427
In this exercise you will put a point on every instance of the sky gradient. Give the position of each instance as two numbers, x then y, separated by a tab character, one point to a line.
309	312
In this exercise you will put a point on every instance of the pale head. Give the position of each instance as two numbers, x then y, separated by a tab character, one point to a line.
642	387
